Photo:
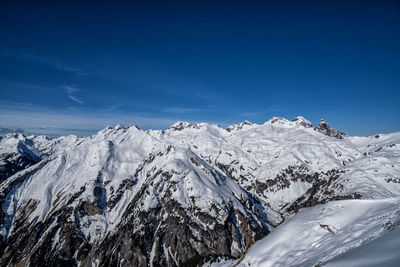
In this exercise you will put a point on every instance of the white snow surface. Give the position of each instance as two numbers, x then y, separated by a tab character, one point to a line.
382	251
318	234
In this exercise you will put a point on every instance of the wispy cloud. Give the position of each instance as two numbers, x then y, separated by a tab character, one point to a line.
70	89
73	98
70	93
47	60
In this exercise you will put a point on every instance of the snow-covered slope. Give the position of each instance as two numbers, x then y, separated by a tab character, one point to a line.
382	251
184	195
318	234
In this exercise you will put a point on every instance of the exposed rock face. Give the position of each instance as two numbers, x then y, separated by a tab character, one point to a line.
324	128
178	240
178	197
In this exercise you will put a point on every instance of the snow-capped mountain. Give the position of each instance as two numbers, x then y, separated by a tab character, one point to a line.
194	193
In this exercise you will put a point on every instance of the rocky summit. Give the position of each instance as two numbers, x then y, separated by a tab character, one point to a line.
197	194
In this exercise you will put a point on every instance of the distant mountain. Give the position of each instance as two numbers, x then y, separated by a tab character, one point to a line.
196	194
4	131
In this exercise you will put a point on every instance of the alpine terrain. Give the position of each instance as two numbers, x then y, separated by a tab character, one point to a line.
284	193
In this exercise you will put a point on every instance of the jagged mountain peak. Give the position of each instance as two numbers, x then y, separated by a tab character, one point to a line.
302	121
283	122
118	127
324	128
299	120
239	126
184	125
180	125
15	136
323	124
277	120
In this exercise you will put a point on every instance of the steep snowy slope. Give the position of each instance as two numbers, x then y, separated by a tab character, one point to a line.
185	195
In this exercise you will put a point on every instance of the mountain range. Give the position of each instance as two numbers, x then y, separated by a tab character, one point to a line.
283	193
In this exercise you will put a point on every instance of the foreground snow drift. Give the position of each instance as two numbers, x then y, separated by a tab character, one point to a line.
319	234
383	252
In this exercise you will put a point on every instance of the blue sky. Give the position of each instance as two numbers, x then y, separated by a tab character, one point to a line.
71	67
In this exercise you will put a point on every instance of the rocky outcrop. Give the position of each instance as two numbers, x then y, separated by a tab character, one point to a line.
324	128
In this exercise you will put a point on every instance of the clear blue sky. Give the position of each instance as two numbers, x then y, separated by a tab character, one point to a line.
77	67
